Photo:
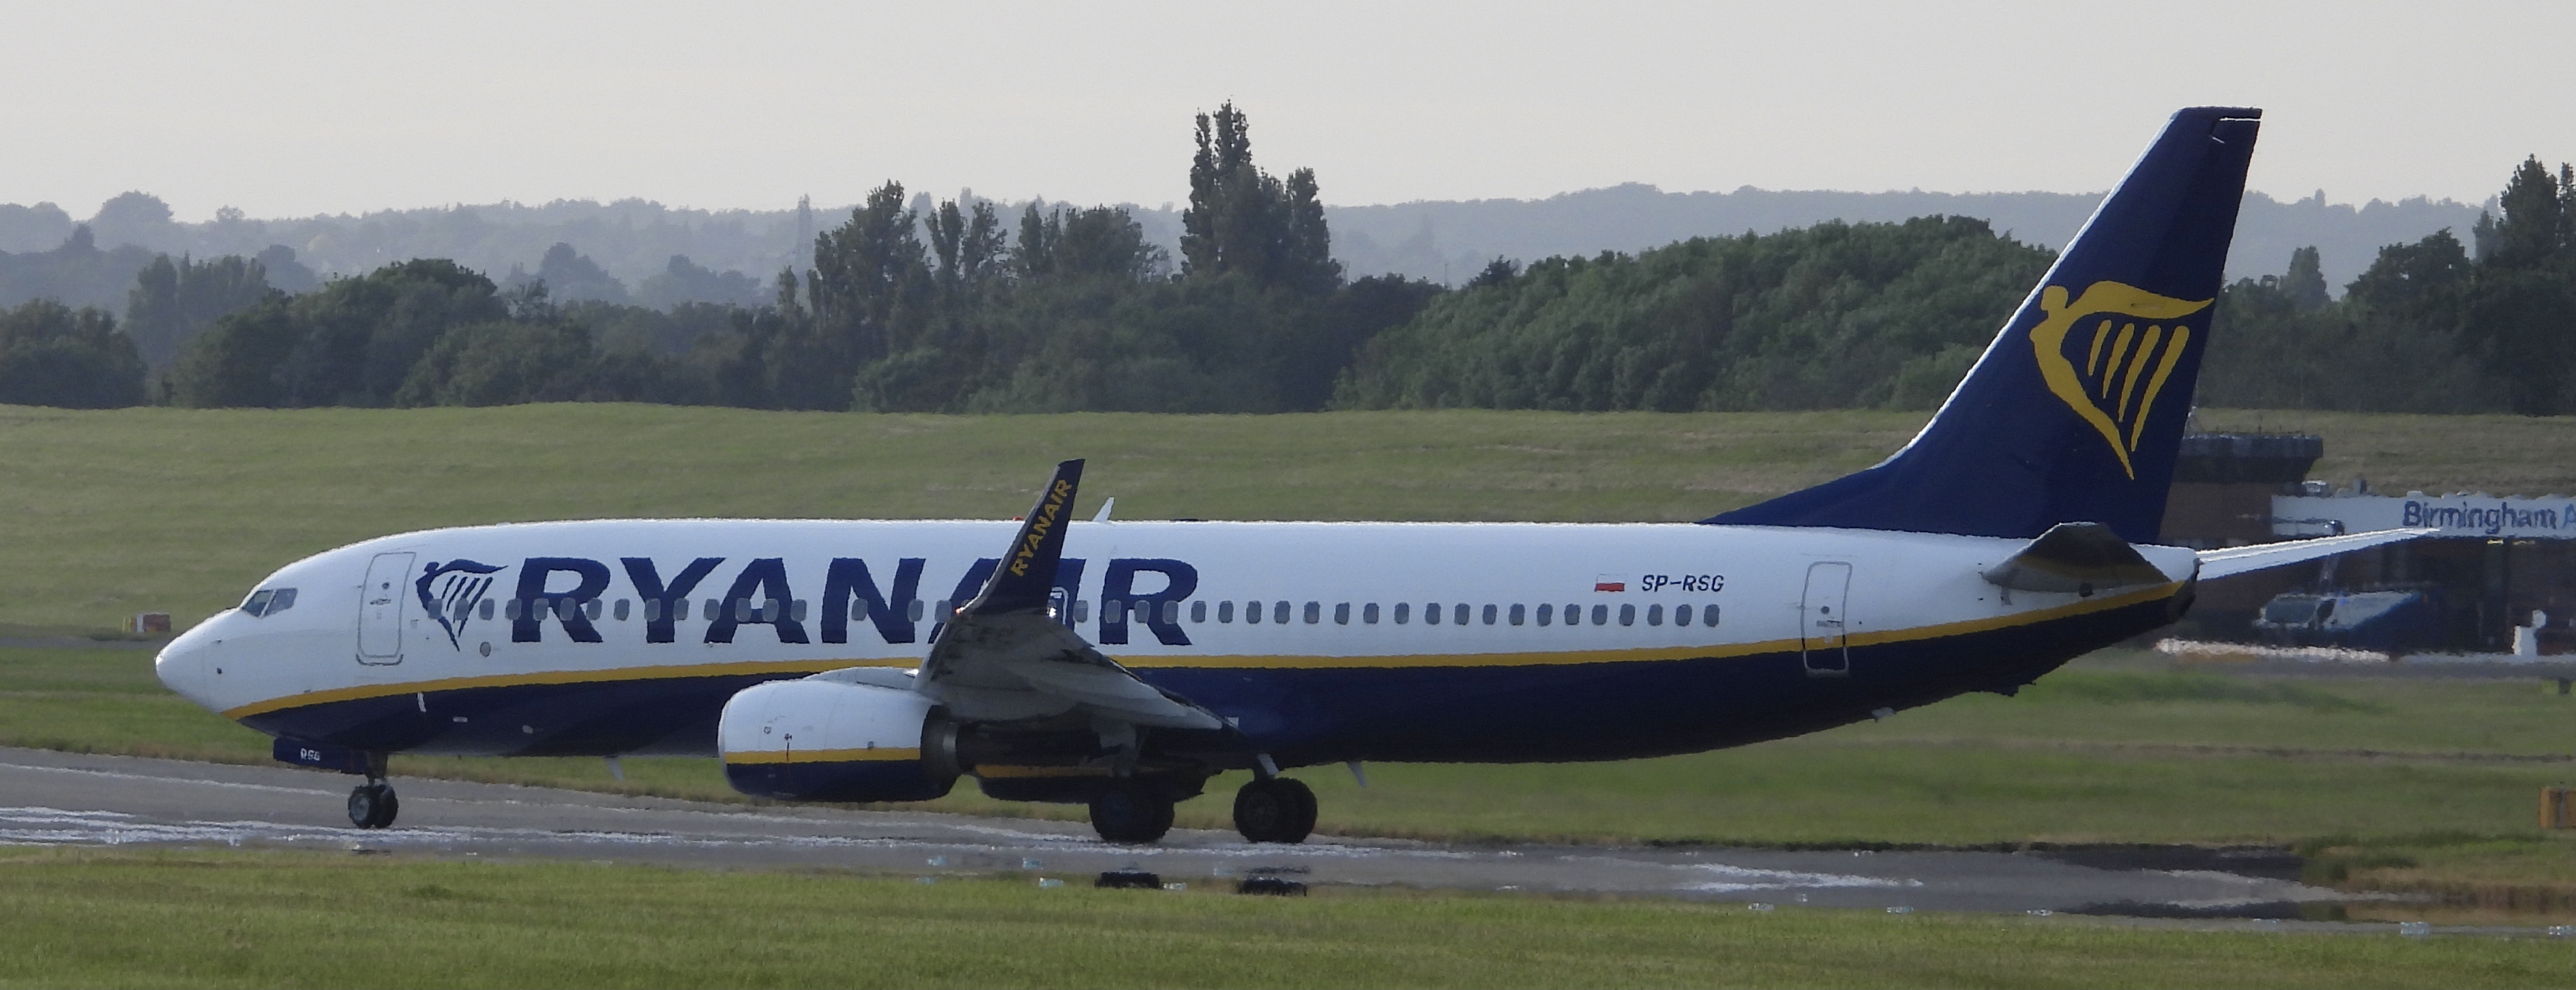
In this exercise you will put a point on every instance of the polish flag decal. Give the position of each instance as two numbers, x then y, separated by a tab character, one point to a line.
1609	585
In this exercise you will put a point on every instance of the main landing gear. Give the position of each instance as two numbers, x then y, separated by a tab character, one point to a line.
373	804
1136	811
1276	809
1131	811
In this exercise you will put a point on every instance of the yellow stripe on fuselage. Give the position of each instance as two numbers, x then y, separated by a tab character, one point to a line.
1240	662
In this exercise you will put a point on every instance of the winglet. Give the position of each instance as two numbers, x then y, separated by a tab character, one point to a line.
1025	579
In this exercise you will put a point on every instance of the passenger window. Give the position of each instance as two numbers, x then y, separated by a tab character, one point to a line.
511	611
1489	615
1627	615
714	609
257	604
915	608
1198	612
1402	609
796	610
1252	613
1314	612
486	610
652	610
1681	615
1546	613
1601	615
1279	613
1342	614
1460	616
1368	613
1113	610
1225	612
1171	613
1081	609
1431	614
1708	616
1573	615
591	608
1516	614
621	610
1654	615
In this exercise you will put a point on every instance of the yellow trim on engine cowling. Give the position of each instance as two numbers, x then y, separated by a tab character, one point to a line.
880	754
1241	662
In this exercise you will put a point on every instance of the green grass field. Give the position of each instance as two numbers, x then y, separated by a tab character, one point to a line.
89	918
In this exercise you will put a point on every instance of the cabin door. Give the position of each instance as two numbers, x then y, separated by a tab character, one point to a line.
1820	635
380	608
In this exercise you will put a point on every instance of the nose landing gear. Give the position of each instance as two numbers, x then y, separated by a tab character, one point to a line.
373	804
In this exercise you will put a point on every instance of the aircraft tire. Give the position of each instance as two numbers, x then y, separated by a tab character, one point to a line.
1133	812
373	806
1275	810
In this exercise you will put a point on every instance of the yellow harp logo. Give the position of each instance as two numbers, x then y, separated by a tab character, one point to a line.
2125	364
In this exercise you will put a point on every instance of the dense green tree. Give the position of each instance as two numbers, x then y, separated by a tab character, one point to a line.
172	302
2535	223
686	283
1827	317
53	355
572	276
2270	348
2305	283
1244	221
351	343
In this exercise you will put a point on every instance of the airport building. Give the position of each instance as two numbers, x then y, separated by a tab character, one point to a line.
2499	577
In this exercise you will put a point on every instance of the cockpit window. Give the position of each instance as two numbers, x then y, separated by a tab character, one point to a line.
269	601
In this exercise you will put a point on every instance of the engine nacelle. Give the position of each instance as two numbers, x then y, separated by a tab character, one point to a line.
819	740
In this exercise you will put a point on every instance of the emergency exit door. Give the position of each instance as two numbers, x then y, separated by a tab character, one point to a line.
380	608
1821	619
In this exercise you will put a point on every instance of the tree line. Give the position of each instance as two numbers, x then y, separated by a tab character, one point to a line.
950	306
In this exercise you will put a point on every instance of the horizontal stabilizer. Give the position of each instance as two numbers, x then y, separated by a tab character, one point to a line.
2078	558
2238	560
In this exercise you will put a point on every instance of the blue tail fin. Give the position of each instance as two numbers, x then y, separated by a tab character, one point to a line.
2075	411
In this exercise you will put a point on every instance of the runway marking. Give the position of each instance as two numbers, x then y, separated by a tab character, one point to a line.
1747	878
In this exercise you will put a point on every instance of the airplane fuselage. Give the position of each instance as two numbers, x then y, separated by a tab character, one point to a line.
1318	642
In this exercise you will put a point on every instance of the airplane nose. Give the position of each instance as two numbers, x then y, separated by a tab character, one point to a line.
181	666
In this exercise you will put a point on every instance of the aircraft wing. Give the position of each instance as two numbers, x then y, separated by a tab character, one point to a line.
2238	560
1005	656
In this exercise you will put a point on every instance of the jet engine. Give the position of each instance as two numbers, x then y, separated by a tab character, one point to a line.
830	740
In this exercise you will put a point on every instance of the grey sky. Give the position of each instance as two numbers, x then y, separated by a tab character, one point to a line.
291	109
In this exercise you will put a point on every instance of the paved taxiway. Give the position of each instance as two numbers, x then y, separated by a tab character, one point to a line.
64	798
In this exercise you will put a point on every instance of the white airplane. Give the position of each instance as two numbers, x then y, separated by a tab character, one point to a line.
1123	664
